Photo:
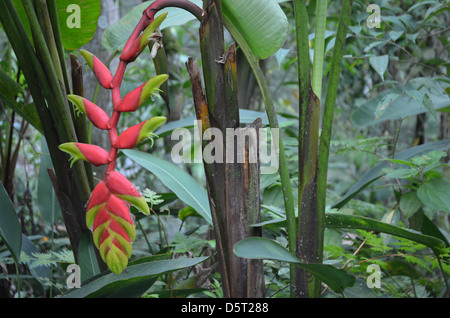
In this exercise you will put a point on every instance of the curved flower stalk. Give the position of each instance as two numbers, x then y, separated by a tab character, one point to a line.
108	212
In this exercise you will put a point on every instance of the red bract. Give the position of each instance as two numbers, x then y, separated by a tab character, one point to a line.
139	95
131	137
101	72
108	212
95	114
90	153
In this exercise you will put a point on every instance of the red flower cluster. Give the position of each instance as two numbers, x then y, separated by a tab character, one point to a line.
108	211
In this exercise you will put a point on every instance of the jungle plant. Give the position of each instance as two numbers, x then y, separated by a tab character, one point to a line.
231	201
107	212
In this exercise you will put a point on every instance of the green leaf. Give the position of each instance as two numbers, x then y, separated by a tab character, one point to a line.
130	283
8	91
87	259
262	248
341	221
41	273
379	64
402	162
429	228
401	107
8	87
384	104
74	35
435	194
378	171
47	201
423	99
421	3
400	173
265	31
261	24
10	231
177	180
183	214
410	203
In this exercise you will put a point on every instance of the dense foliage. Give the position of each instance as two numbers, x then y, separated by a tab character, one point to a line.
388	162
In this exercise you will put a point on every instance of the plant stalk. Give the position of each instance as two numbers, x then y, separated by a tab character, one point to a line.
327	122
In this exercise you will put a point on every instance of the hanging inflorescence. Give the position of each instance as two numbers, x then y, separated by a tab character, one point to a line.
108	211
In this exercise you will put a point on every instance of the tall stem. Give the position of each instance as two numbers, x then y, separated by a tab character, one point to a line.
330	100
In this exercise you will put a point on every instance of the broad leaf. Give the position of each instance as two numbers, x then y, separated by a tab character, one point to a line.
262	248
410	203
177	180
75	36
261	24
124	285
341	221
77	20
399	107
87	259
378	171
435	194
46	197
10	231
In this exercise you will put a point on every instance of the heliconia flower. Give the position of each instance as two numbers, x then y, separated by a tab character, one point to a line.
90	153
101	72
98	200
139	95
121	187
112	240
142	41
96	115
131	137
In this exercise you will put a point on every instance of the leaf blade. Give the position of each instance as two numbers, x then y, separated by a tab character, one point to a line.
10	230
262	248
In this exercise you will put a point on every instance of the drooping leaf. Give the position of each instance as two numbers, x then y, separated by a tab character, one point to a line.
124	285
177	180
379	64
341	221
10	231
261	24
262	248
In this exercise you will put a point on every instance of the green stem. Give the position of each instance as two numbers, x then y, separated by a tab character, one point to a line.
54	20
18	277
330	100
58	104
319	45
